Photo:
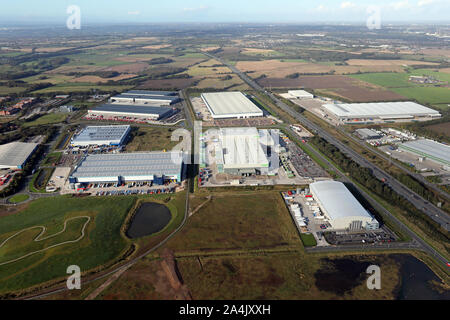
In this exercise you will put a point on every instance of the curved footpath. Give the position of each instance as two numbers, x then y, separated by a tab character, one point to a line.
38	238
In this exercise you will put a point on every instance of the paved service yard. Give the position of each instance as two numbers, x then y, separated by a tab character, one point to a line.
59	178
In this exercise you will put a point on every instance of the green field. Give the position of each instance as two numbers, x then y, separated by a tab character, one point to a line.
50	118
430	95
82	87
238	220
308	240
399	83
103	241
151	139
19	198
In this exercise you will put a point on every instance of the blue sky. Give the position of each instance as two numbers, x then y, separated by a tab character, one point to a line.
156	11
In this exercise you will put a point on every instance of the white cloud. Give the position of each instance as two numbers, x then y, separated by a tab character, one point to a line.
134	13
195	9
422	3
347	5
400	5
321	8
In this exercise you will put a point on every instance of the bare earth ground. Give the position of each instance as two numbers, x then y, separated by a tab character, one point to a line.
346	87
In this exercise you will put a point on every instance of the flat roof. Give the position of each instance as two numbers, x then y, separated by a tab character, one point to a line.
380	109
145	97
428	148
129	165
101	133
300	92
15	154
241	147
132	109
229	104
337	200
151	93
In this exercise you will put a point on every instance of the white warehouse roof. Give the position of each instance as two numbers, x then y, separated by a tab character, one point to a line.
338	204
101	135
430	149
223	105
242	148
300	93
383	110
15	154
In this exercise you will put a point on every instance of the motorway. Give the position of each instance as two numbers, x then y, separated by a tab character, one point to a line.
420	203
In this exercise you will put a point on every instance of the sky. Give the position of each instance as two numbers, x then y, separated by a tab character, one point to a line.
221	11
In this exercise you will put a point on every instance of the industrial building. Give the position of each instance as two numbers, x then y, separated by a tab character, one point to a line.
101	136
380	111
300	94
156	167
340	208
429	149
244	151
129	112
229	105
15	155
367	134
151	98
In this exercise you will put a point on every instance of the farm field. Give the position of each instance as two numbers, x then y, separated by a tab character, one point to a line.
426	95
340	86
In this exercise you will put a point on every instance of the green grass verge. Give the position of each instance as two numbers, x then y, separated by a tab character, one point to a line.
19	198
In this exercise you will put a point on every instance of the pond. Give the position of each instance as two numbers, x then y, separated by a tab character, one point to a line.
150	218
416	278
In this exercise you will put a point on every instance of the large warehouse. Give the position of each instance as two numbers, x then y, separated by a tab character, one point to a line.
15	155
151	98
243	151
129	112
101	136
341	208
156	167
431	150
380	111
226	105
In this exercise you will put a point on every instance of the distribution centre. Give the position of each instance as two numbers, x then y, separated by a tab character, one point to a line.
157	167
431	150
101	136
129	112
341	208
228	105
15	155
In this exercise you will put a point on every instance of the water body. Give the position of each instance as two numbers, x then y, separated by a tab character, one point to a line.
342	275
150	218
416	279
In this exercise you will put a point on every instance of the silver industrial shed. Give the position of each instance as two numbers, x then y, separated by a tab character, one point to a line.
14	155
341	208
129	167
130	111
432	150
101	136
226	105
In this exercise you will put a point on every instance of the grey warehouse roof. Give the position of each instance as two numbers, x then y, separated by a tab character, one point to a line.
379	109
151	93
230	103
337	200
14	154
430	149
129	164
124	108
146	97
101	133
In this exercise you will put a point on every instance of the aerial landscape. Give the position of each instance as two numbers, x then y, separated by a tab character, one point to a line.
200	157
